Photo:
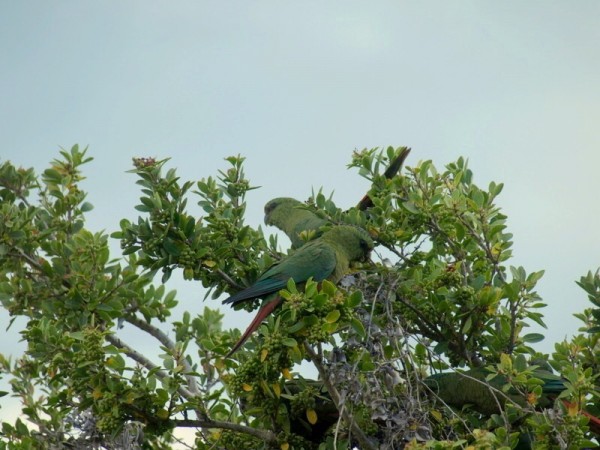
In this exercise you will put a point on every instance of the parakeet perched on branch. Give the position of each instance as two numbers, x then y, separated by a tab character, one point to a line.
327	257
300	225
486	396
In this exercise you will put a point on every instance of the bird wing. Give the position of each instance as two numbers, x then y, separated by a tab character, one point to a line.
316	260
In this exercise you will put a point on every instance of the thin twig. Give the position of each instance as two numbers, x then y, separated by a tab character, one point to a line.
229	280
432	329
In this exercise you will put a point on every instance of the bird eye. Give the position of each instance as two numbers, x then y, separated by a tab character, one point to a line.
270	207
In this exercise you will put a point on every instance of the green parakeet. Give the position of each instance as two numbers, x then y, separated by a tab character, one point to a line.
302	225
287	214
327	257
486	396
472	388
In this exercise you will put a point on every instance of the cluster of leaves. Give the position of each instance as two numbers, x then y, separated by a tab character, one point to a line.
217	249
450	244
264	381
57	275
440	296
585	349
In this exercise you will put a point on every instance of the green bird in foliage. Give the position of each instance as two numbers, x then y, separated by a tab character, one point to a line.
325	258
302	225
299	224
486	396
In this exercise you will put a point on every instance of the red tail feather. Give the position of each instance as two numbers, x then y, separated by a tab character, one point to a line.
262	313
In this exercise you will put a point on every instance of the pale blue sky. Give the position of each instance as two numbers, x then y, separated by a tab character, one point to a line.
296	86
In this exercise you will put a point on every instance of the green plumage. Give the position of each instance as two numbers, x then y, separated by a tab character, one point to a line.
328	257
302	225
471	388
487	397
297	223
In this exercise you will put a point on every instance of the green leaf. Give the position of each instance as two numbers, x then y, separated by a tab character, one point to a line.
116	362
467	326
130	250
320	300
78	335
21	428
358	327
333	316
533	337
328	288
53	175
173	248
289	342
354	299
410	206
505	362
297	326
291	286
310	289
460	231
534	277
388	351
86	206
366	363
207	344
143	208
520	363
478	198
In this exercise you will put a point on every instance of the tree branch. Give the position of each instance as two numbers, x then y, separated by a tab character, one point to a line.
267	436
168	343
145	362
229	280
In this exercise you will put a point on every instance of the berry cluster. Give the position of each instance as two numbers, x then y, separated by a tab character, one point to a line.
143	163
187	257
246	377
151	245
160	216
303	401
238	441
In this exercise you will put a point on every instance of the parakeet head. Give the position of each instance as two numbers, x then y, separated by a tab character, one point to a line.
279	207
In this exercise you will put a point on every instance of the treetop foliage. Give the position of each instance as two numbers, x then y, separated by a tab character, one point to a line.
438	296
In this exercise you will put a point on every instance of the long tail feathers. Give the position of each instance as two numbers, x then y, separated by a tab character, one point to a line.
262	313
392	170
594	422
